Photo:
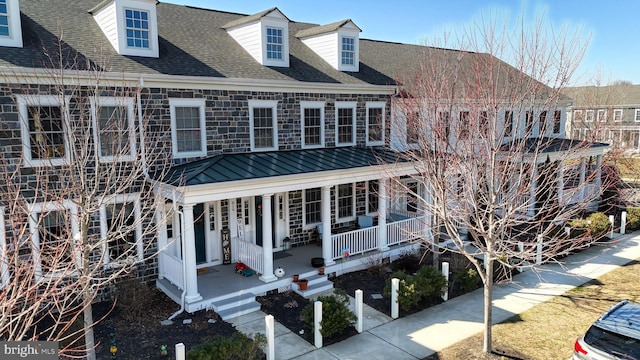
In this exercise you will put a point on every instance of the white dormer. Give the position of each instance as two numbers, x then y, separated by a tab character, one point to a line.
265	36
338	44
10	27
130	25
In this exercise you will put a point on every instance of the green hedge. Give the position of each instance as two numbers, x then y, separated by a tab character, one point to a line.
237	346
597	225
633	219
427	283
336	315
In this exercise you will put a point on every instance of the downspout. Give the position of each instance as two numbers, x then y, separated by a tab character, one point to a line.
184	270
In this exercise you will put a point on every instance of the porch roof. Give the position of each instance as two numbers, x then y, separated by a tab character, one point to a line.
243	166
551	145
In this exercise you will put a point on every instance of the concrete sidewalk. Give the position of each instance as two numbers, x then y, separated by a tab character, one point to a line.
431	330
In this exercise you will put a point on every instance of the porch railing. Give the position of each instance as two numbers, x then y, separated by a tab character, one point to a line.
405	230
170	268
248	253
575	195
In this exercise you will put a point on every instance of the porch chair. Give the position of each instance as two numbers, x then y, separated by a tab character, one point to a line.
365	221
319	232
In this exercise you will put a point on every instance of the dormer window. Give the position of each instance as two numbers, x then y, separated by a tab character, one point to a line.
137	27
348	50
337	44
274	43
10	28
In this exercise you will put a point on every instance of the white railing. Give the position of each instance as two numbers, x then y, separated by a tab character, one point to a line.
249	253
170	268
575	195
405	230
355	242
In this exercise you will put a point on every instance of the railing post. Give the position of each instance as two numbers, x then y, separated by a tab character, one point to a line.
395	286
180	352
358	308
445	272
269	328
317	319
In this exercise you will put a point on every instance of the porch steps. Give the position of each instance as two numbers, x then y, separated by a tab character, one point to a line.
317	284
236	305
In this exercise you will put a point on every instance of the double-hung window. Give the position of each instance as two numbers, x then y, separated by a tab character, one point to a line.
375	123
345	202
348	53
137	28
4	19
188	131
312	113
528	122
413	123
44	130
508	123
589	116
444	128
636	116
602	115
557	121
312	206
463	124
542	120
345	123
263	123
373	193
113	124
274	43
617	115
121	229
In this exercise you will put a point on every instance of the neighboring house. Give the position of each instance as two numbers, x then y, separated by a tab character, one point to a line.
605	113
278	133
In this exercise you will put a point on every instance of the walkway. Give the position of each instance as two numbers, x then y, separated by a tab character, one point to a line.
433	329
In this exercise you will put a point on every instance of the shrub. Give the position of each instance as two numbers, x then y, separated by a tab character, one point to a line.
408	296
430	283
596	225
237	346
336	315
466	279
633	219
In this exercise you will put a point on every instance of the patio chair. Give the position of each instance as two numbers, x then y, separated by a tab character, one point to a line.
365	221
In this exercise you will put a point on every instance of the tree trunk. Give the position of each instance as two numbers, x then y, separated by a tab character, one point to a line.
488	307
89	339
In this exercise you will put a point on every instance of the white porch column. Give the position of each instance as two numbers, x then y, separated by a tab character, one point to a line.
531	209
267	239
598	179
189	258
560	181
382	214
326	226
162	237
583	165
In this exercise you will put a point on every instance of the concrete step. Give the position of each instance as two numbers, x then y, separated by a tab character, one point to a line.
233	301
236	311
315	287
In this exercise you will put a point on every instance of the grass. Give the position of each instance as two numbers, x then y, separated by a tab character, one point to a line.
548	330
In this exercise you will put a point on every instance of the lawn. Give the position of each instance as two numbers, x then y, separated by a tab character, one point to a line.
548	330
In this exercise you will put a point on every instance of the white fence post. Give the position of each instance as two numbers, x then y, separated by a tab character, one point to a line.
269	327
567	230
317	318
180	352
539	250
445	272
395	286
623	223
358	308
611	220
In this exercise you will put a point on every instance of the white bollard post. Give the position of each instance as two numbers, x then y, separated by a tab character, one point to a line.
445	273
623	223
539	251
180	352
395	287
611	220
521	251
485	260
359	311
270	331
317	316
567	230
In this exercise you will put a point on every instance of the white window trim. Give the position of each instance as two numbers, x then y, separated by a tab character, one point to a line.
615	112
4	264
346	105
282	24
353	204
306	225
552	114
576	113
312	105
96	103
42	100
153	49
200	104
266	43
356	48
15	26
376	105
104	227
636	116
35	236
588	118
604	115
273	104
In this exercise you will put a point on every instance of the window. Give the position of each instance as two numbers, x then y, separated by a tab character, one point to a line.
348	50
121	229
636	117
345	123
617	115
589	116
602	115
508	123
53	226
483	120
557	121
463	123
137	28
413	124
274	43
264	134
4	19
312	206
312	123
577	115
372	196
375	123
188	131
542	120
445	122
44	137
114	130
528	122
345	202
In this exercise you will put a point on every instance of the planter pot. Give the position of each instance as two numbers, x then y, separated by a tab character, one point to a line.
303	283
296	277
317	262
321	270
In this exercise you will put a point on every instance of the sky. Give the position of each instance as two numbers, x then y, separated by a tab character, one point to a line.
611	27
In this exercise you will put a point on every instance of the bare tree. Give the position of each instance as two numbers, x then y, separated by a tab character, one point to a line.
79	207
486	137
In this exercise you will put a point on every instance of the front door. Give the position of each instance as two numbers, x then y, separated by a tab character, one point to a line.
200	236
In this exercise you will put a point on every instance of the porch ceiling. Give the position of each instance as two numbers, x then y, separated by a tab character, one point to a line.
245	166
